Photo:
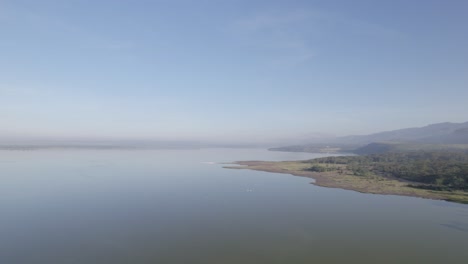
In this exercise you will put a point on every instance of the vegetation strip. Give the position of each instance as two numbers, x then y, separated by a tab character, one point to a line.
426	174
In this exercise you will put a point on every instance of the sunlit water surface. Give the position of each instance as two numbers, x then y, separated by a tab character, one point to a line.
174	206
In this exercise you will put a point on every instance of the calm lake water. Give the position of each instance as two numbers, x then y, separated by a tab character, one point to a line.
173	206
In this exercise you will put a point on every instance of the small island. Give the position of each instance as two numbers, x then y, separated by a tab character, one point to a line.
437	175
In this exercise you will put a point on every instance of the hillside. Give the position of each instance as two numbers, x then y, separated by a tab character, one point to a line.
435	136
452	133
384	147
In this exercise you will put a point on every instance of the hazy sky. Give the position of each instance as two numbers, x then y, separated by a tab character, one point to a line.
239	70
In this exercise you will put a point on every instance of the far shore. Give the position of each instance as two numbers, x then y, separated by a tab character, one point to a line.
365	184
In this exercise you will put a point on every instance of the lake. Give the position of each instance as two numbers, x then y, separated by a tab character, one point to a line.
176	206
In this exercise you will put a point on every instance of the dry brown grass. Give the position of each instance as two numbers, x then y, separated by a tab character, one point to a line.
366	184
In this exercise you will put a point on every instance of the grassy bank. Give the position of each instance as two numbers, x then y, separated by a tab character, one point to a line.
341	176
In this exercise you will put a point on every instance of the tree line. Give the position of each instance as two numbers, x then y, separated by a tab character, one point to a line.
441	170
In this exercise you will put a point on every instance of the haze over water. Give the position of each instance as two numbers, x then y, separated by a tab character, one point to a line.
174	206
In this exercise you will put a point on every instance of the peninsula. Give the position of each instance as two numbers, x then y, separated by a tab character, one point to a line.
434	175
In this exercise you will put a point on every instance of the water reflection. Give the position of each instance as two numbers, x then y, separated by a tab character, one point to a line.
169	207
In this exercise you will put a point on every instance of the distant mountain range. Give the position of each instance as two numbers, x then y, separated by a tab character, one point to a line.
430	137
441	133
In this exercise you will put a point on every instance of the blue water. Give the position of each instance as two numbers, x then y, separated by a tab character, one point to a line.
174	206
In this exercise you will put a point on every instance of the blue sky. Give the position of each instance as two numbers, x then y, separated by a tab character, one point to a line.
234	70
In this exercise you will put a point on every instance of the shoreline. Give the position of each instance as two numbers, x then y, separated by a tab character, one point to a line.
372	184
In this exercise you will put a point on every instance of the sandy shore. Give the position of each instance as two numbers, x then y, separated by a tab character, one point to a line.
365	184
